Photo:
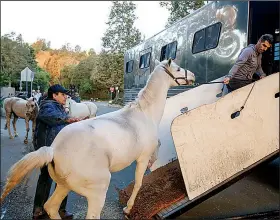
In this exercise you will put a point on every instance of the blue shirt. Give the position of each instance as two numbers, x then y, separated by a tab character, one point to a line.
50	120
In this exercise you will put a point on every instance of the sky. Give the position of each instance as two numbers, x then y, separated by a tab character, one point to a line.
75	22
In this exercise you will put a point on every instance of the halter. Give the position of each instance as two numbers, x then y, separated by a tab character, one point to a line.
69	107
176	78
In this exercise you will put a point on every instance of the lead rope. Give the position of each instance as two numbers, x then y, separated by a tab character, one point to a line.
237	113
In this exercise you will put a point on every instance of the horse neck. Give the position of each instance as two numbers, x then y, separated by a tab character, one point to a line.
152	97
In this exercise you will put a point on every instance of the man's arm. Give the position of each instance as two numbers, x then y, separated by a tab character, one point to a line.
51	117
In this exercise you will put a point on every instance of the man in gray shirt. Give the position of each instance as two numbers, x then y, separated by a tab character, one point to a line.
248	63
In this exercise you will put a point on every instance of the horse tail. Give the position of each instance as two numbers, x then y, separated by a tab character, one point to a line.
28	163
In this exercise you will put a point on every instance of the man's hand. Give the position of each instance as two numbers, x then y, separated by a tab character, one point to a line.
72	120
226	80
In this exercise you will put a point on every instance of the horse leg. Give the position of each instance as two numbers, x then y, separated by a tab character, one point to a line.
27	130
96	201
14	125
96	193
8	119
139	174
54	202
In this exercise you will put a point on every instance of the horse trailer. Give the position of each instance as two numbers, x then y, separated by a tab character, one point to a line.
207	42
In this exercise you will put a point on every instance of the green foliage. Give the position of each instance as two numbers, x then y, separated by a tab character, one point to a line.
109	71
15	56
67	75
121	33
80	74
41	79
180	9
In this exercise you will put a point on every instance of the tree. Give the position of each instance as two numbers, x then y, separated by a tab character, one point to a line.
19	39
78	48
41	79
49	45
109	71
41	44
91	52
15	56
121	33
67	75
180	9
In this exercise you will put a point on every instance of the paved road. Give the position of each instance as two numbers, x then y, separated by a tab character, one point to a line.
18	205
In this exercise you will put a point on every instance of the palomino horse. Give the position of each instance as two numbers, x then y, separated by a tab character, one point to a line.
105	144
80	110
20	108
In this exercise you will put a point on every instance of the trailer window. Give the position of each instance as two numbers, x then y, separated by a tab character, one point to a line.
207	38
145	60
169	51
129	66
212	36
198	41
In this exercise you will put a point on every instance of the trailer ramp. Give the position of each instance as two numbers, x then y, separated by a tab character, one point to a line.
215	150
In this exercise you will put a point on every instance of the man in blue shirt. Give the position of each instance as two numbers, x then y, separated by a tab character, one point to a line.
50	120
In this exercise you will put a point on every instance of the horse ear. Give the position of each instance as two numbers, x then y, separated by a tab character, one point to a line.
156	62
169	61
33	99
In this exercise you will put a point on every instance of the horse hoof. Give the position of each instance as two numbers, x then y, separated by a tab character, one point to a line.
126	212
126	216
16	135
11	137
25	141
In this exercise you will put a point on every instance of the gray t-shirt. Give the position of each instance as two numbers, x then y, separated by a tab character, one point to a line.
247	63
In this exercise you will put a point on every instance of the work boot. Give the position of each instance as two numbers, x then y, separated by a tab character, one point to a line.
40	213
65	215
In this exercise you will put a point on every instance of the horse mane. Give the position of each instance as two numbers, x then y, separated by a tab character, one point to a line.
145	96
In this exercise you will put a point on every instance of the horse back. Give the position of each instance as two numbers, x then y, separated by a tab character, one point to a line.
16	106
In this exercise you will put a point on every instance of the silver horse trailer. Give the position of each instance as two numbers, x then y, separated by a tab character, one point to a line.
207	42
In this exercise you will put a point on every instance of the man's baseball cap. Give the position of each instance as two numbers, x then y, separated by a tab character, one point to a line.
57	88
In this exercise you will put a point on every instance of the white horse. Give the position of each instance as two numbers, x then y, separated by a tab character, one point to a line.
80	110
105	144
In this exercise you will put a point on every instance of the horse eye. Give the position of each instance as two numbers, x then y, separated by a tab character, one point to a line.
178	69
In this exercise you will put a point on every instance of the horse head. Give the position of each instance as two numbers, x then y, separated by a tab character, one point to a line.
32	107
179	76
68	103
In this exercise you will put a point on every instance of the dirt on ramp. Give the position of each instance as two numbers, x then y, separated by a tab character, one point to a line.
160	189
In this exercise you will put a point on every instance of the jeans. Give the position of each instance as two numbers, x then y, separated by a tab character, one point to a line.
43	189
237	84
